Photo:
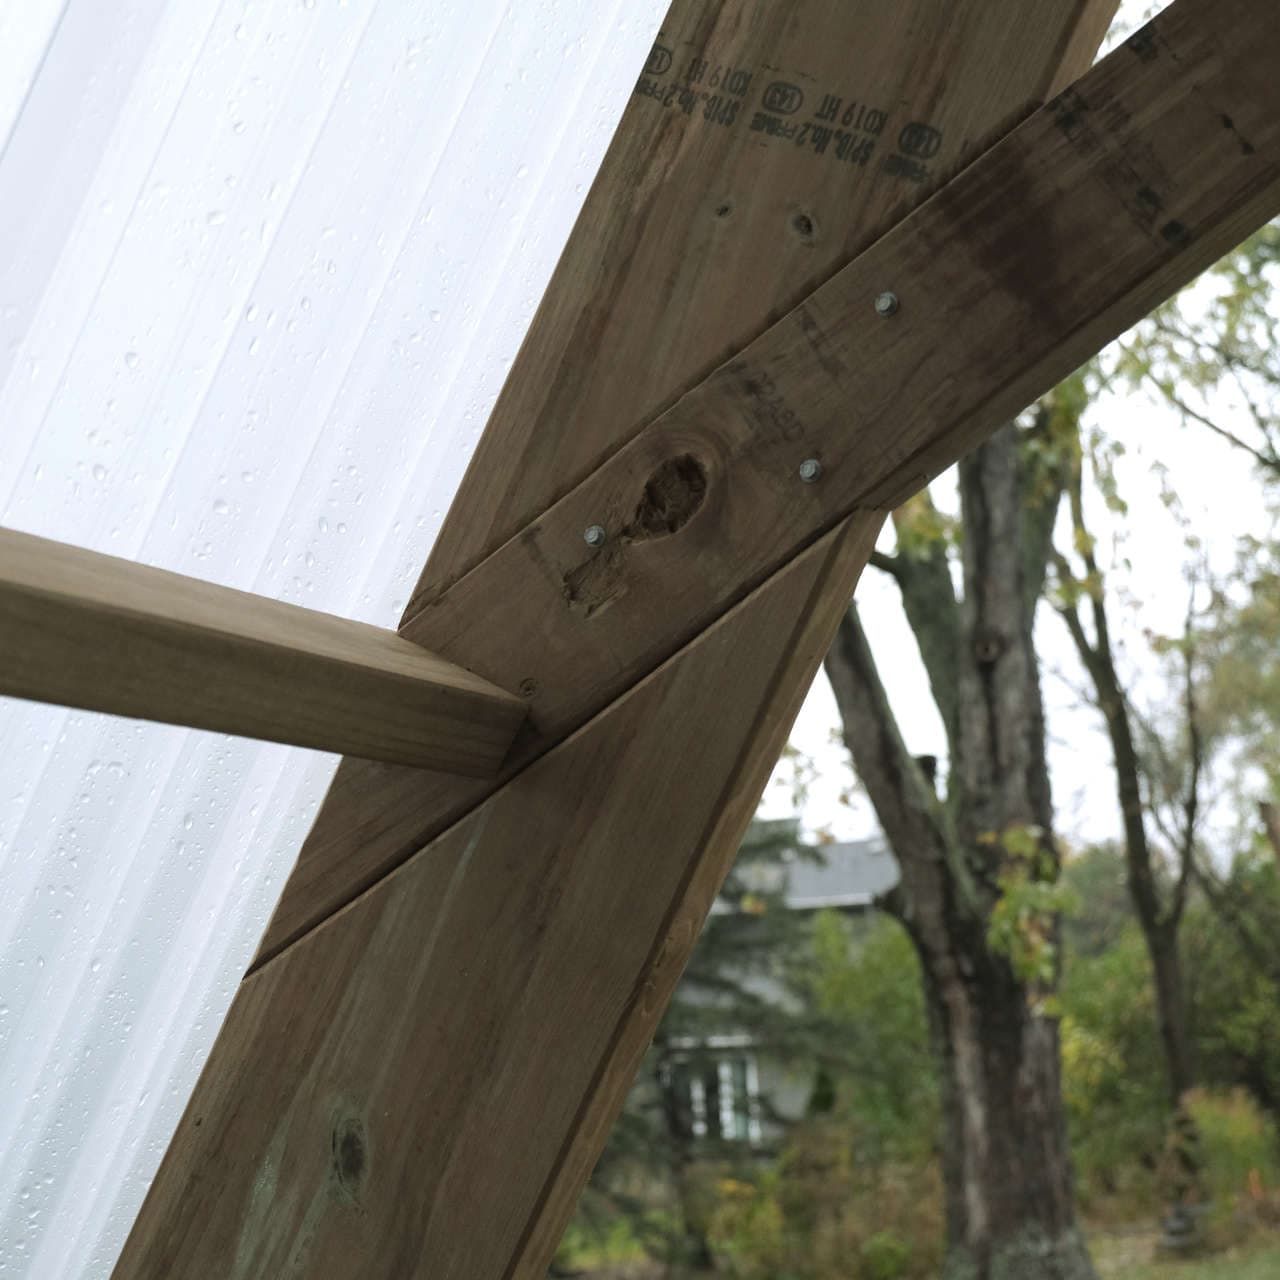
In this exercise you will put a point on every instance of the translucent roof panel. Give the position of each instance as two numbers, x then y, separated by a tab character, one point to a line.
263	267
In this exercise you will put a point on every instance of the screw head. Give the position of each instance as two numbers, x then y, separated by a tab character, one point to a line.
594	535
886	304
810	470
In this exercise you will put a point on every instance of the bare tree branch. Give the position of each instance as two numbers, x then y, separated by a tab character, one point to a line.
923	573
886	564
1195	769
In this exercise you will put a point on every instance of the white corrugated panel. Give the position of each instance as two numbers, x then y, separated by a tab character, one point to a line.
263	267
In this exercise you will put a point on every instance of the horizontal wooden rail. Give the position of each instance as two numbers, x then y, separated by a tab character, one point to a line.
104	634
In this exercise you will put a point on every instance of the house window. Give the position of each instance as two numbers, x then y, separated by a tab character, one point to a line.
718	1098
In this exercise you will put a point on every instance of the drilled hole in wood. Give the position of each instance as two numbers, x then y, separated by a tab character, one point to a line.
672	495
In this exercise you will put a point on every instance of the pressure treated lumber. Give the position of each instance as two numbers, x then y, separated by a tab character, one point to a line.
694	238
1067	231
420	1085
393	1093
104	634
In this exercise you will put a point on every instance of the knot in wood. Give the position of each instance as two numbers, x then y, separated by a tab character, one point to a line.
988	645
672	494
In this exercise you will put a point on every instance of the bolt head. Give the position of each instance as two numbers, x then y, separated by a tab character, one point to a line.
810	470
594	535
886	304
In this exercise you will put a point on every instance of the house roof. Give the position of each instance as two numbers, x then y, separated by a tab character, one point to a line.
851	873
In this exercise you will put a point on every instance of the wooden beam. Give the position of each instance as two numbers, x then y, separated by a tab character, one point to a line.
1065	233
419	1087
104	634
695	237
421	1084
1001	290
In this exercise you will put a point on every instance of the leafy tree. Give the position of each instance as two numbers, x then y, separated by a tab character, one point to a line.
979	895
1159	878
1211	355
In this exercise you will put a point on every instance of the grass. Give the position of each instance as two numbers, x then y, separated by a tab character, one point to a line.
1263	1265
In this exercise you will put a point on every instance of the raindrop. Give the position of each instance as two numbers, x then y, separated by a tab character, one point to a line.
131	359
220	507
216	217
99	471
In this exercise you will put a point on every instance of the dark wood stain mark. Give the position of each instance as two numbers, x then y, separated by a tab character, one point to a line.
350	1157
1246	147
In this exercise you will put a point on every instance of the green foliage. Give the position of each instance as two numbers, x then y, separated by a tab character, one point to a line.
1234	990
922	529
1113	1077
885	1257
865	982
821	1214
748	1230
1242	697
1238	1142
1097	879
1211	355
1023	924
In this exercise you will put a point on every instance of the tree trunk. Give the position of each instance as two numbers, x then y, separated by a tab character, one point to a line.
1171	1008
1010	1207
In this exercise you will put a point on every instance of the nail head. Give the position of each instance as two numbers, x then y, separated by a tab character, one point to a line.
887	304
594	535
810	470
